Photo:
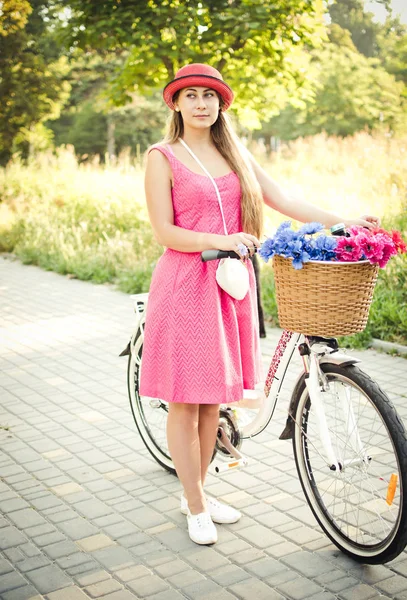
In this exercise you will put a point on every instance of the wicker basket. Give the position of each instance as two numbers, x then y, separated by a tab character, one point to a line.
324	298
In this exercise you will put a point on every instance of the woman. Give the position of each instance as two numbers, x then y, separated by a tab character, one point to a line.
201	346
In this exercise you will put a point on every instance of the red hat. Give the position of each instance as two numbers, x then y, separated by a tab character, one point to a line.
198	74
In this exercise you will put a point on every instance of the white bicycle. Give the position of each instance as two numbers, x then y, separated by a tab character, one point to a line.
350	445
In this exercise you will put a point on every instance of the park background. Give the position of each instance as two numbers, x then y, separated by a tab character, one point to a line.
321	100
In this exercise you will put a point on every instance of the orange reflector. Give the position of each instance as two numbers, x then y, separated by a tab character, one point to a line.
234	464
391	489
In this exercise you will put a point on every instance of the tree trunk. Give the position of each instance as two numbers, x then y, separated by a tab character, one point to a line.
111	143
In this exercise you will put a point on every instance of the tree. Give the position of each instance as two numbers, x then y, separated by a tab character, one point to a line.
13	16
350	15
136	126
393	48
252	42
32	85
355	93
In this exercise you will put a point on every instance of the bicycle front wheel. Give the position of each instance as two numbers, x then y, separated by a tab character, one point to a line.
361	507
150	414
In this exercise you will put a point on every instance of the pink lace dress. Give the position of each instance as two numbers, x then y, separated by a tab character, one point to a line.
201	346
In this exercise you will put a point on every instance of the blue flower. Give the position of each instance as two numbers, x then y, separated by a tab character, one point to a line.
283	241
310	228
324	248
298	254
267	249
284	225
299	245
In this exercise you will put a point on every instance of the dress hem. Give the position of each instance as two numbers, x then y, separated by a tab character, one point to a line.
239	396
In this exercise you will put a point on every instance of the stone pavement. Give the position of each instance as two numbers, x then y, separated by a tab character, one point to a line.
87	513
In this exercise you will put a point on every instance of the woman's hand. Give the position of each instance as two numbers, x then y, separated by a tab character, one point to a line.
232	242
364	221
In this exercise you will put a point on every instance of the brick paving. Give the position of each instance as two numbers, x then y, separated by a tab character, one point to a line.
87	513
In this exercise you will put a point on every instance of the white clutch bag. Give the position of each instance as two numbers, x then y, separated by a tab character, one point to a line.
232	276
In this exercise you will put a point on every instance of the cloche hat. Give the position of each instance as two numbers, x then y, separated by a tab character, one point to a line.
201	75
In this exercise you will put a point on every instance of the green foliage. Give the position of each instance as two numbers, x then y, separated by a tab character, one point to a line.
136	126
13	16
32	84
388	316
351	16
393	49
268	294
354	93
85	129
251	42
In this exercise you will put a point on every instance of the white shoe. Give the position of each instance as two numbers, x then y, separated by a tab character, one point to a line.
201	528
220	513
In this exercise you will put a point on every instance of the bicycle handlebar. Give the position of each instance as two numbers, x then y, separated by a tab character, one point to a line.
208	255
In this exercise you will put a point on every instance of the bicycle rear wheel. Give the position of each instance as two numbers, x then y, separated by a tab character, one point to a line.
150	414
361	507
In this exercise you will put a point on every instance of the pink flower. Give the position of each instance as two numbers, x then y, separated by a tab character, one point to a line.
348	250
396	237
377	245
355	229
371	245
389	249
398	241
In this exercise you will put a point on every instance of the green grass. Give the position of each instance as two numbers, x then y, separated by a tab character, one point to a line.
86	222
91	222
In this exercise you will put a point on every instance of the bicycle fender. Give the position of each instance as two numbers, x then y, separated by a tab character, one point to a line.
339	359
126	351
288	431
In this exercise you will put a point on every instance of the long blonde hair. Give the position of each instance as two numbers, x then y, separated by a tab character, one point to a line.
227	143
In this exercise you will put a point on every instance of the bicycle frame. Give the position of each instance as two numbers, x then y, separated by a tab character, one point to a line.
320	353
274	382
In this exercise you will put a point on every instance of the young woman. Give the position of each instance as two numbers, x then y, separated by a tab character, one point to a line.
201	346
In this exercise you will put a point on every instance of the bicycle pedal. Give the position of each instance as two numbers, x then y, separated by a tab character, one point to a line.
224	467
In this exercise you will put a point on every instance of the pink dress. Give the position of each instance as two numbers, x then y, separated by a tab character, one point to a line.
201	346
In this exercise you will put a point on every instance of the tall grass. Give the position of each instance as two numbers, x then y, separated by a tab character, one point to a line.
90	221
84	220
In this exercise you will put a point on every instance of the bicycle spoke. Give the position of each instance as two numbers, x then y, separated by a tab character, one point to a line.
150	414
354	498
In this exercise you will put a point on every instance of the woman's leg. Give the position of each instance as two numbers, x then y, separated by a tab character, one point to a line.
184	445
208	428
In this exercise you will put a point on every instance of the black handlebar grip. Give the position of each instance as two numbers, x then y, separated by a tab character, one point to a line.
208	255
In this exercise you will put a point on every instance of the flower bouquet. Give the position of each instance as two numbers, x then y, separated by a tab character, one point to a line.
330	289
377	246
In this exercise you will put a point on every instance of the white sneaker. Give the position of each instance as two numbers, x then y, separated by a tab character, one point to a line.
201	528
220	513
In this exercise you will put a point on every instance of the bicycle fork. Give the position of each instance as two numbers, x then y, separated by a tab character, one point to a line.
317	384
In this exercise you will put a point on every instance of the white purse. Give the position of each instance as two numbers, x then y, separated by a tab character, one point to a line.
232	274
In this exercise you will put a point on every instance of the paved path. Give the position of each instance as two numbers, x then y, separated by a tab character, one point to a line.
86	513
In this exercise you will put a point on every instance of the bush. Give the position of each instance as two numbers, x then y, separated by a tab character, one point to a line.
82	221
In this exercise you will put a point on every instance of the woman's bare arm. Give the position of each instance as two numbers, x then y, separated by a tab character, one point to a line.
300	210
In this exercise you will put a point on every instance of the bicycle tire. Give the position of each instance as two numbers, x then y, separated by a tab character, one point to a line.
144	413
353	525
